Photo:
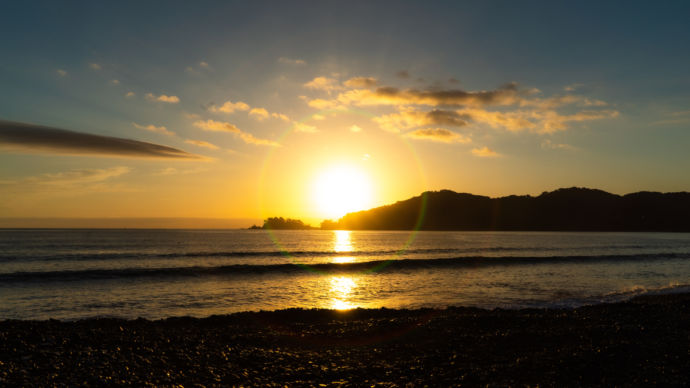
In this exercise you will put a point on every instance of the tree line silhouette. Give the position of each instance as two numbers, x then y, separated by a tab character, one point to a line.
571	209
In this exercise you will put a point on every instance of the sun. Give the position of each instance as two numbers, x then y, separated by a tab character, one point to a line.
341	189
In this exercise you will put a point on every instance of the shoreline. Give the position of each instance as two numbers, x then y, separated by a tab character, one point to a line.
644	340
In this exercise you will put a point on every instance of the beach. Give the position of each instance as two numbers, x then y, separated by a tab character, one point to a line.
643	341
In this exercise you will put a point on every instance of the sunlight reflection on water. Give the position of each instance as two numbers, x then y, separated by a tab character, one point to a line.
341	286
341	289
343	243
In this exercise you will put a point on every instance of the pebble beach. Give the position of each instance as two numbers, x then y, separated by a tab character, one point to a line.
643	341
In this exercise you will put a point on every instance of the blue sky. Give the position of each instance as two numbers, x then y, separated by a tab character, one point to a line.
613	77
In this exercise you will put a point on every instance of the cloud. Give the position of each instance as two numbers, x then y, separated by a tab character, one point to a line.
201	143
322	104
361	82
163	98
553	122
506	95
548	144
229	107
290	61
512	121
61	73
302	127
411	119
79	176
115	82
323	83
355	128
318	117
280	116
130	94
679	117
453	80
439	135
203	65
537	121
22	137
174	171
572	87
221	126
259	113
592	102
485	152
404	74
95	66
508	107
154	128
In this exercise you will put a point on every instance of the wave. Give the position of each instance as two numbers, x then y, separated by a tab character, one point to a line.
323	268
138	255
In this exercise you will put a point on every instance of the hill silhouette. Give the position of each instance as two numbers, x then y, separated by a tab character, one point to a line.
571	209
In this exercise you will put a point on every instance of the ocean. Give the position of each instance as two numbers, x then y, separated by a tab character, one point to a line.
75	274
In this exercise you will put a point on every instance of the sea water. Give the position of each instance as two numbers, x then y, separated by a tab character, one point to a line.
73	274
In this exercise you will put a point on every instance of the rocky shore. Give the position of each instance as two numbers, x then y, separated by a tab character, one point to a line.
641	342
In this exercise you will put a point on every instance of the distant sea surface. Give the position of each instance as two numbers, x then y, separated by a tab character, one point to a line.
74	274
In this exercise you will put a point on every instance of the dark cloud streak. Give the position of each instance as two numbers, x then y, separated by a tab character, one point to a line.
35	138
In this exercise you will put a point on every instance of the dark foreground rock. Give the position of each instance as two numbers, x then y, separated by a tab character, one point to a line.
642	342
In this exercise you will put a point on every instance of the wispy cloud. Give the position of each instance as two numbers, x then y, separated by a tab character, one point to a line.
115	82
78	176
259	113
221	126
197	69
70	183
229	107
302	127
355	128
323	83
22	137
291	61
322	104
438	135
95	66
176	171
280	116
130	94
361	82
410	119
154	128
485	152
506	95
201	143
61	73
163	98
548	144
679	117
509	107
572	87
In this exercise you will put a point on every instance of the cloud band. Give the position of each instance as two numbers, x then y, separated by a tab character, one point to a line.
35	138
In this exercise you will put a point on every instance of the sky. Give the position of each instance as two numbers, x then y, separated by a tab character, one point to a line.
248	110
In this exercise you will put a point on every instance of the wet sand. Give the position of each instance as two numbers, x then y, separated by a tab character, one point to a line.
641	342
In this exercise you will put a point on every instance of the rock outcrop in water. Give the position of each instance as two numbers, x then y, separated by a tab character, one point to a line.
572	209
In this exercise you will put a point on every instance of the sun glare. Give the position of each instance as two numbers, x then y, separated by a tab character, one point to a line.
339	190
